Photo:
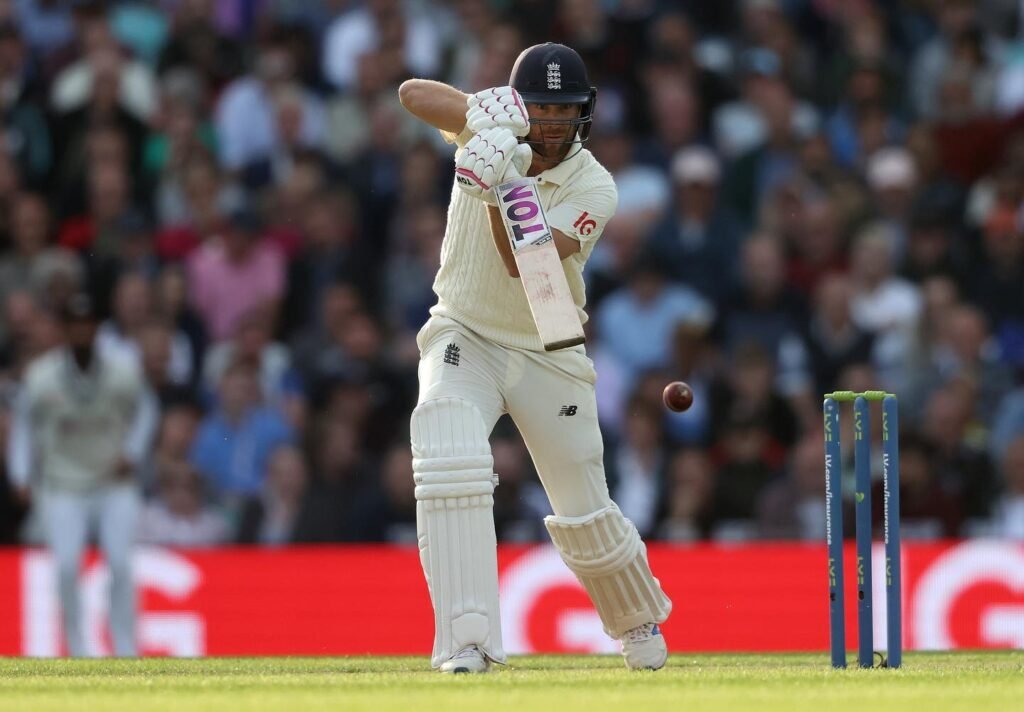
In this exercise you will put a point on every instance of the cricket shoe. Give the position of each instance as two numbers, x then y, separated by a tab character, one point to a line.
469	659
644	647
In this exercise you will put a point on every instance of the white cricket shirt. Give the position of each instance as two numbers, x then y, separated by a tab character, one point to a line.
472	285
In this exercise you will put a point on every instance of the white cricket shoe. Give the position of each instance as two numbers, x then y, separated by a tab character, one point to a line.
469	659
644	647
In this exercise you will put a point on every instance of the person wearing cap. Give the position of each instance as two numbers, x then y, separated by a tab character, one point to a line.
892	178
697	238
81	427
481	356
766	106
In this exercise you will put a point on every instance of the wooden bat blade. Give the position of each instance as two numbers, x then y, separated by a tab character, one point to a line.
547	291
540	270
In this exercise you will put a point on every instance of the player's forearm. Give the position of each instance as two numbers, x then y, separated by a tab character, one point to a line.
440	105
501	243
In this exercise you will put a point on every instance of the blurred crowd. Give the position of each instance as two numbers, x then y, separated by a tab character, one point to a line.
814	195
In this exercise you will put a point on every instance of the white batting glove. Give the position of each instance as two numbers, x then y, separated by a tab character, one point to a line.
491	157
498	107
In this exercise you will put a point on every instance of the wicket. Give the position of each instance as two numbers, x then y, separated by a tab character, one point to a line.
862	510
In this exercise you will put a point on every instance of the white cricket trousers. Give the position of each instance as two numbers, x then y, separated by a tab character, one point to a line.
550	397
68	517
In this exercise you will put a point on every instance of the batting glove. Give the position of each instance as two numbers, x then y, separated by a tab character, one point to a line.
498	107
491	157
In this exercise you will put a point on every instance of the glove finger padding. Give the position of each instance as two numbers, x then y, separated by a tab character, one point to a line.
522	158
498	107
490	157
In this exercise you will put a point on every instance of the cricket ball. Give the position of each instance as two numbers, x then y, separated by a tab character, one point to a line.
677	396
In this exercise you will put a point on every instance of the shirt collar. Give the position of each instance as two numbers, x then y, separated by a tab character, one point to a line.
564	170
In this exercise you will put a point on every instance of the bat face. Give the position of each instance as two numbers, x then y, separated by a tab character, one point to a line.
540	269
522	213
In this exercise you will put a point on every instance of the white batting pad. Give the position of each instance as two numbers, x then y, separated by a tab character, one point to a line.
606	553
453	469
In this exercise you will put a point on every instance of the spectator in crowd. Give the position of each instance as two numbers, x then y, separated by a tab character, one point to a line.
132	311
698	238
933	245
235	440
961	466
386	511
958	41
332	250
743	473
404	43
520	509
995	281
746	124
694	360
893	183
195	41
104	74
24	119
283	512
170	304
691	479
811	361
748	385
1007	424
178	514
1008	516
181	134
967	351
927	511
252	342
793	506
411	268
636	466
191	205
643	314
262	117
763	307
341	472
816	246
882	301
234	273
29	231
178	425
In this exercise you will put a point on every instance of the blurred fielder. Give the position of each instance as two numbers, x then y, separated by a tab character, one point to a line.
481	355
81	426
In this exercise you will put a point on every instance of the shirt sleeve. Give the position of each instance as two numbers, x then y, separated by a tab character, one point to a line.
584	214
19	442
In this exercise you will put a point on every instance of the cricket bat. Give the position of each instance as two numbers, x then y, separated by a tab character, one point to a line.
540	270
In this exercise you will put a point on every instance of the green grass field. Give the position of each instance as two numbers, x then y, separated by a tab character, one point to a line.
927	683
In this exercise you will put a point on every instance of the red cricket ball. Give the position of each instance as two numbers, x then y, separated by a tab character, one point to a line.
677	396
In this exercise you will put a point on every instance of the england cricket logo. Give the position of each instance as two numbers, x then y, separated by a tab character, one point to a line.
554	76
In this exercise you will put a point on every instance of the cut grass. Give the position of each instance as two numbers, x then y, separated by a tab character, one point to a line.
928	682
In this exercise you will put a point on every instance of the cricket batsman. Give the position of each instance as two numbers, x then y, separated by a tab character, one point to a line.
81	425
481	356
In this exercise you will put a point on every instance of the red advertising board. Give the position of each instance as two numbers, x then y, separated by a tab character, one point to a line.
372	599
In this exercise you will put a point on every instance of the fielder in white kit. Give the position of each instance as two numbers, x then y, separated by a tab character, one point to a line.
481	356
81	425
